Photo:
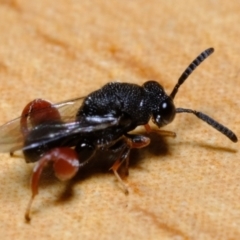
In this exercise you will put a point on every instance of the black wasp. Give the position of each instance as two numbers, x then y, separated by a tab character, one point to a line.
99	122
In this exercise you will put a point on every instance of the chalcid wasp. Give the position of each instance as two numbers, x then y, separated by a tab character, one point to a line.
60	133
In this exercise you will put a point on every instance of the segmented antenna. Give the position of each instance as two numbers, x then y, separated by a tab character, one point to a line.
196	62
224	130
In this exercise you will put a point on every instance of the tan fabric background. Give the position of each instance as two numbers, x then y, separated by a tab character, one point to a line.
183	188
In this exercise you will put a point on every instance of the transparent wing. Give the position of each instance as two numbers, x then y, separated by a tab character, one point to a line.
11	136
63	130
68	109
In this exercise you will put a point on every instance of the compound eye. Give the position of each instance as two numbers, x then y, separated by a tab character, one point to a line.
165	113
166	109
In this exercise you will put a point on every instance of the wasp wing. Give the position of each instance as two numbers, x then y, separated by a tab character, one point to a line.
11	137
68	109
62	131
10	133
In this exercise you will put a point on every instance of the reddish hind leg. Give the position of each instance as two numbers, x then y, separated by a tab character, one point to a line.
34	113
65	164
65	160
38	111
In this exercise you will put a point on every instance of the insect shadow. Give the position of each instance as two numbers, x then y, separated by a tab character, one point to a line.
97	168
158	147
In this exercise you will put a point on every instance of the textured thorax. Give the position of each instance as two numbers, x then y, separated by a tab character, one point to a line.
118	98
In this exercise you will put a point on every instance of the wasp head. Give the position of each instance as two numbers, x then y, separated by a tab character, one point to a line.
161	105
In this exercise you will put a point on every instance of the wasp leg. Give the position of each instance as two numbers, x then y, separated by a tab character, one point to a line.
163	133
65	164
129	142
115	168
37	112
14	149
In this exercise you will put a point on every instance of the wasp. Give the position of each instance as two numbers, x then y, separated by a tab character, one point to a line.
102	121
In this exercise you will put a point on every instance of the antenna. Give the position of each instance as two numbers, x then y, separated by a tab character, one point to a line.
196	62
224	130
